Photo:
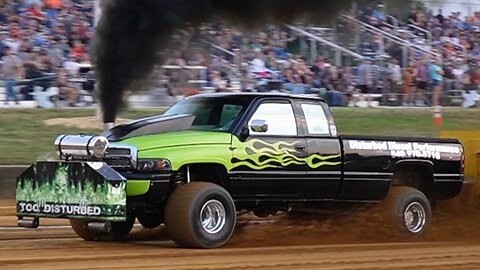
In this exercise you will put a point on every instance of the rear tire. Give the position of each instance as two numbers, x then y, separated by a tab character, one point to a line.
409	210
119	230
200	215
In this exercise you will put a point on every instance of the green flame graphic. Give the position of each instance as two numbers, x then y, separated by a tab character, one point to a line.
257	154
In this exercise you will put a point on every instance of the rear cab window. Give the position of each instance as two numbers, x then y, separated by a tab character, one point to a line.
317	121
315	118
278	116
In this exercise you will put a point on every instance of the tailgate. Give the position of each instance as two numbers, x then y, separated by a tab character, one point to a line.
86	190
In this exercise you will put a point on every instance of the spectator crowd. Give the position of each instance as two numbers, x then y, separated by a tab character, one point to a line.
456	40
272	61
45	43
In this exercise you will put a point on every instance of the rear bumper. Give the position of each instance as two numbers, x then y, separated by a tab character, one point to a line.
447	185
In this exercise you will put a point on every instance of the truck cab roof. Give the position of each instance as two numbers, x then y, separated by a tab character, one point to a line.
261	95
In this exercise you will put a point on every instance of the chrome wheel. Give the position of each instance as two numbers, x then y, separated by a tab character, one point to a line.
213	216
415	217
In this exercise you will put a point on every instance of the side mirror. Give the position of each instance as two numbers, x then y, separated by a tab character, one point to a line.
259	126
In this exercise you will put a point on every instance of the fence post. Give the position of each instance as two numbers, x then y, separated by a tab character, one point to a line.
404	56
302	46
338	58
313	50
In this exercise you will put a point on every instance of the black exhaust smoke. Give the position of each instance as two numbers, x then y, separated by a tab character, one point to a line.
132	32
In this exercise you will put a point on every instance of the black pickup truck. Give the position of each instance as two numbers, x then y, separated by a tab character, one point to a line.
211	156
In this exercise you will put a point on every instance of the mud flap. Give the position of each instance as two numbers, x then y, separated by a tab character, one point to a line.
86	190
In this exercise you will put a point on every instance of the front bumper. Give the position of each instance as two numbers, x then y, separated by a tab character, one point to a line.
86	190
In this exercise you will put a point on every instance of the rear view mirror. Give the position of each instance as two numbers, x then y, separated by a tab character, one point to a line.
259	126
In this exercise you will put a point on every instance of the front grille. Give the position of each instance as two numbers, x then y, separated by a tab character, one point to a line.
123	163
117	152
118	156
121	156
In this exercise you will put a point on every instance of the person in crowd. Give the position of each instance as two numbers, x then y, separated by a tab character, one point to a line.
366	14
53	4
440	17
78	50
457	72
13	41
347	86
32	72
319	65
24	52
217	81
421	81
280	50
11	70
476	74
247	83
379	15
436	75
448	77
364	82
258	66
470	89
394	76
409	89
67	89
2	43
34	13
72	66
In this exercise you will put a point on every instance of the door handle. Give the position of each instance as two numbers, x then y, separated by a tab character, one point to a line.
301	147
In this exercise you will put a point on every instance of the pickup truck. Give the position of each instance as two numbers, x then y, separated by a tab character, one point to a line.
212	156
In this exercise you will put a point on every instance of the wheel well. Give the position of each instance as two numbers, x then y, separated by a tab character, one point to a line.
419	176
207	172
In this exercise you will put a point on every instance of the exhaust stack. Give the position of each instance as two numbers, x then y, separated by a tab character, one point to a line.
107	126
81	146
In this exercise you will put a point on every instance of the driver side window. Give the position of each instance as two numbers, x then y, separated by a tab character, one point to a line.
279	118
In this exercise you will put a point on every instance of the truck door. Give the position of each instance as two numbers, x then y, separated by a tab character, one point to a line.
324	177
268	162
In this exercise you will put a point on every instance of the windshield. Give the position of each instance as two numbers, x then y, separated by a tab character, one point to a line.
212	113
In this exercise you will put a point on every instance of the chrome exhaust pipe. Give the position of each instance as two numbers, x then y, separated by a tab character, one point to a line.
103	227
28	223
107	126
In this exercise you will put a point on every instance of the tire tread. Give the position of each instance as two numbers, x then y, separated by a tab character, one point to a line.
177	214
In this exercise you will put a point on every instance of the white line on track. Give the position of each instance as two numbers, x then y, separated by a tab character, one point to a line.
261	222
13	166
58	227
41	239
47	227
8	207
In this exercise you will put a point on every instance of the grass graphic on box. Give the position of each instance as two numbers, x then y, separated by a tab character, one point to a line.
60	190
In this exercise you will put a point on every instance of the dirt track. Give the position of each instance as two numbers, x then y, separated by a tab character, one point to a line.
347	241
69	253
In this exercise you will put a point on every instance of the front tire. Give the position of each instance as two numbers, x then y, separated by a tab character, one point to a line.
200	215
150	220
409	209
118	232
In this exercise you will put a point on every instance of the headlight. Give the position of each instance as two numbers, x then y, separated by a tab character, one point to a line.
153	165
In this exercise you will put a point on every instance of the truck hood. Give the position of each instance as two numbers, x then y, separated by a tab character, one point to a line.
179	138
150	126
